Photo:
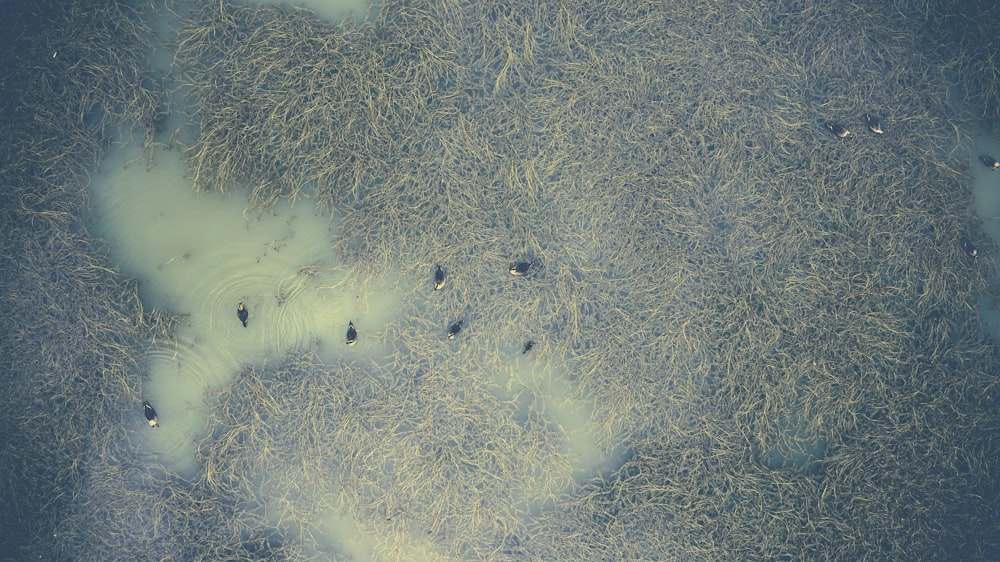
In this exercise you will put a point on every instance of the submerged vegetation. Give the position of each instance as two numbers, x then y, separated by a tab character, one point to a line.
780	326
73	328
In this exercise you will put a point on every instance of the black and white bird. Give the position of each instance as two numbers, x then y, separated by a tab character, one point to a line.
838	130
438	278
969	249
352	334
243	314
150	415
874	124
520	268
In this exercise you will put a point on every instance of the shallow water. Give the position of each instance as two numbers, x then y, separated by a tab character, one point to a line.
200	254
329	10
986	188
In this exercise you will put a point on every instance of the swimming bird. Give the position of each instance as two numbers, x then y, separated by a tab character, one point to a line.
528	346
150	414
438	278
969	248
989	162
352	334
243	314
874	124
454	329
838	130
520	268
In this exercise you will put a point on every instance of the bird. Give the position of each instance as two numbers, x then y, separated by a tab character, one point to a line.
520	268
438	278
454	329
969	248
150	415
838	130
874	124
527	346
352	334
989	162
243	314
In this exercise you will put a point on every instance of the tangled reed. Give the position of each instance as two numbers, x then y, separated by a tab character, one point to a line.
780	326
